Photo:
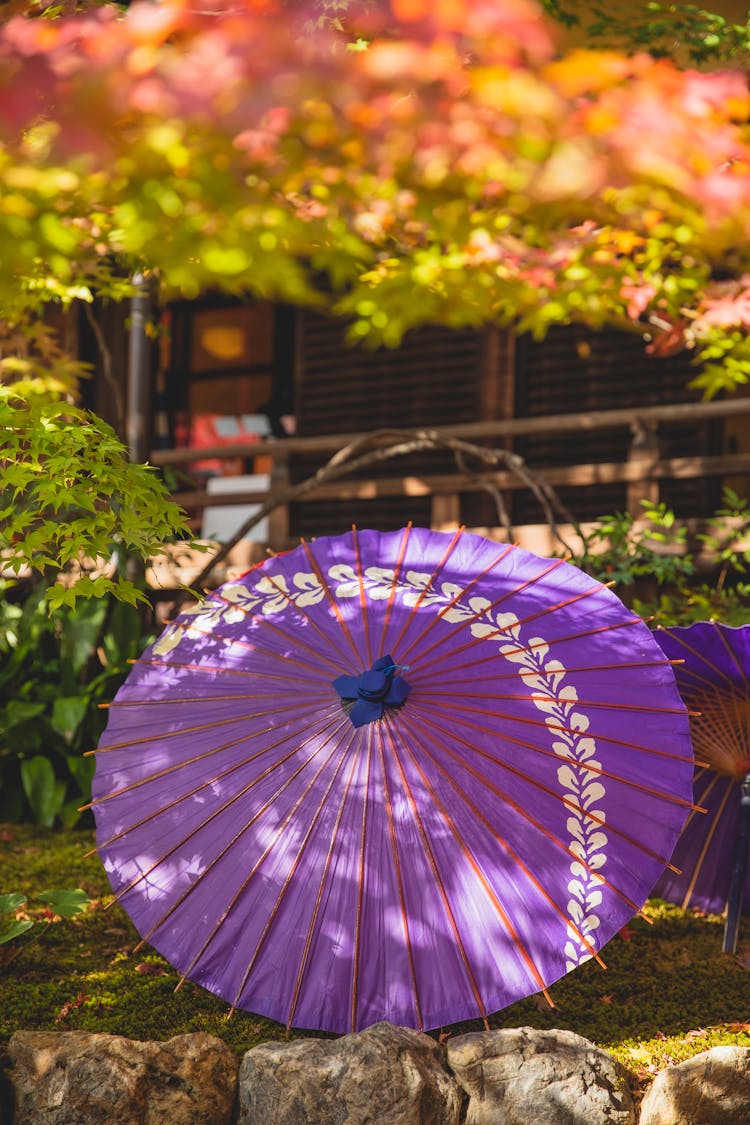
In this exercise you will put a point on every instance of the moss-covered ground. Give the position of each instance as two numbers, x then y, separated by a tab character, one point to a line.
668	992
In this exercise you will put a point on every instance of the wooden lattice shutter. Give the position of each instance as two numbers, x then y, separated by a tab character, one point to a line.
574	370
433	379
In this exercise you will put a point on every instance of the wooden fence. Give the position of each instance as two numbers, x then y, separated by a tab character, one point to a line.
641	472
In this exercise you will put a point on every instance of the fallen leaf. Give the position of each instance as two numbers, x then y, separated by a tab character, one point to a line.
70	1006
606	999
147	968
626	933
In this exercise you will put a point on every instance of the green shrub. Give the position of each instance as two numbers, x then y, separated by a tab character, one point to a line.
55	670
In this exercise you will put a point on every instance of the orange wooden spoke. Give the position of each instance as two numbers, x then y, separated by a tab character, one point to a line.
462	761
394	584
334	605
171	702
430	624
495	657
450	680
594	768
537	696
399	880
258	646
731	788
500	631
277	585
204	784
361	887
534	783
387	733
219	810
321	887
238	835
502	841
732	655
429	585
223	671
456	712
362	597
288	706
295	864
700	656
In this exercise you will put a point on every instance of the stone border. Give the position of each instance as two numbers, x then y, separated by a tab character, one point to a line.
385	1075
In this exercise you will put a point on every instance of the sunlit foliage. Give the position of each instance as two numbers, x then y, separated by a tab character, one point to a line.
404	162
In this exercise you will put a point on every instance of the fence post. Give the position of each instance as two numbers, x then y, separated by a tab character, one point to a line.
278	518
643	454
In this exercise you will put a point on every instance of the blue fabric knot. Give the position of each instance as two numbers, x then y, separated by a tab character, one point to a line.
373	690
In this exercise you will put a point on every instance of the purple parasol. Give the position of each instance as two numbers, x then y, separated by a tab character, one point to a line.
712	849
406	776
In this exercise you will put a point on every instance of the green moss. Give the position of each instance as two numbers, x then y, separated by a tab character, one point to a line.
668	992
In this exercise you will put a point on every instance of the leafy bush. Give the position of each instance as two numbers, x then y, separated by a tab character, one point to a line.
662	575
55	670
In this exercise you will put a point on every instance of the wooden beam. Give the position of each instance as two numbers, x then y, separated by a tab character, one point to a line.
559	423
572	476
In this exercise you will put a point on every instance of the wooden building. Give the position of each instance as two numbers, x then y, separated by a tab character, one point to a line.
602	421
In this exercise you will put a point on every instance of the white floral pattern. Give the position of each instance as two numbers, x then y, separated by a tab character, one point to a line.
579	774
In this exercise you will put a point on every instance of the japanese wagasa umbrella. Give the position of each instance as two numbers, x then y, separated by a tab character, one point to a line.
712	849
410	776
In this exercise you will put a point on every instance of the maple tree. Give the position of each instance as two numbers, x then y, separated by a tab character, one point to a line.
435	161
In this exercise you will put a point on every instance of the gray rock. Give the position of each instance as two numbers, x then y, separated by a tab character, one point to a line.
78	1078
384	1075
711	1089
519	1076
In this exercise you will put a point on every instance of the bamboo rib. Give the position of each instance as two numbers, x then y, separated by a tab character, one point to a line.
721	732
534	697
707	841
290	874
593	768
456	711
288	706
218	812
264	650
191	699
556	795
501	840
732	654
399	882
386	732
430	624
392	595
700	656
524	814
438	569
223	670
274	797
417	659
204	784
362	597
496	656
498	632
231	844
354	1023
452	681
333	605
321	887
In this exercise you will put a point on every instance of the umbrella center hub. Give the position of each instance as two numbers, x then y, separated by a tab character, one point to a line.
365	697
374	686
